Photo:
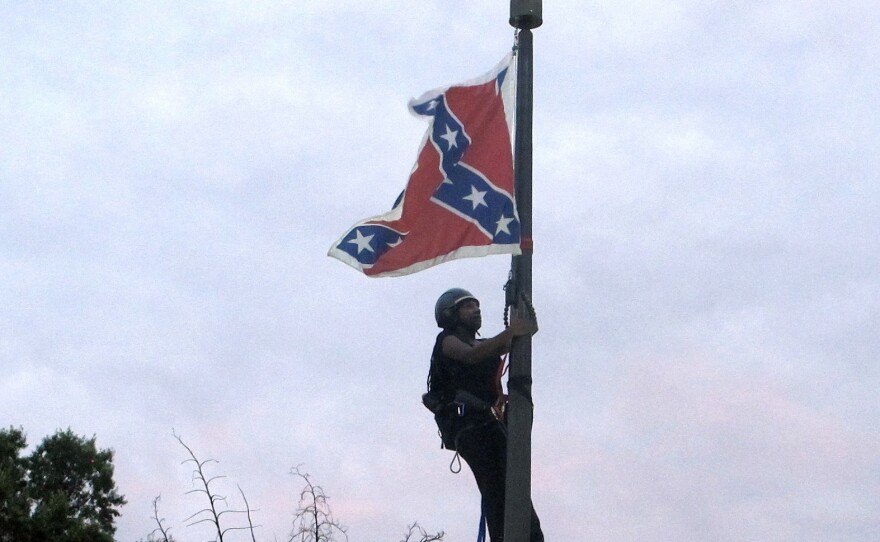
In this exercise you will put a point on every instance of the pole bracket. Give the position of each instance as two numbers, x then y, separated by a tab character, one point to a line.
525	14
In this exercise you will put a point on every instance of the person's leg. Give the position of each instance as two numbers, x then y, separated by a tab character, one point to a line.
483	450
536	535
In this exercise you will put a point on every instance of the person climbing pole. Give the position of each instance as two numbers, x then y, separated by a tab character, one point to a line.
465	395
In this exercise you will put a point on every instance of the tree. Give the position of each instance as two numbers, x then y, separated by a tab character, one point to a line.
313	520
63	491
160	531
14	507
216	508
417	530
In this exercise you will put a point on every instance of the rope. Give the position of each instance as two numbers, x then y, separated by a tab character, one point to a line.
499	409
455	459
481	531
509	301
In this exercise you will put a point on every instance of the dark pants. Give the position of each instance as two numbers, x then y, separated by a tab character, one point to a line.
484	448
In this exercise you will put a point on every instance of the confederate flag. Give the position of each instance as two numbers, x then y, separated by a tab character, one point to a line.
459	200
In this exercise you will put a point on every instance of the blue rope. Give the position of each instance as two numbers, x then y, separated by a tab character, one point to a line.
481	532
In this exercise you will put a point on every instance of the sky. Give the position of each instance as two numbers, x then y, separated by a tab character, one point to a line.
706	268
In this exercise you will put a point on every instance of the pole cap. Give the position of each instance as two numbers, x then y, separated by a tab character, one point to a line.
525	14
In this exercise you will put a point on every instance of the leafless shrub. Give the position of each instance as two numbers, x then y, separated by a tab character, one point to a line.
313	520
161	529
217	504
416	530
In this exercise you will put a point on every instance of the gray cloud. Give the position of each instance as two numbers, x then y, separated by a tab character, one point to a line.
706	259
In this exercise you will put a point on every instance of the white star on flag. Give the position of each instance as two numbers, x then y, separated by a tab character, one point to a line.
450	136
502	223
477	198
363	243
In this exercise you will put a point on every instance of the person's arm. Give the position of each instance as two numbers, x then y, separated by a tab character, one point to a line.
520	324
457	349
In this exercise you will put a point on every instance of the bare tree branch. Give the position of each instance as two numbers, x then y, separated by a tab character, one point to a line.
417	530
247	509
313	520
199	475
161	527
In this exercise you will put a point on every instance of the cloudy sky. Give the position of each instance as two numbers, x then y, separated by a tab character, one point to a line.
707	266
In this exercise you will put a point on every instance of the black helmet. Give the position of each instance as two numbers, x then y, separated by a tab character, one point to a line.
443	310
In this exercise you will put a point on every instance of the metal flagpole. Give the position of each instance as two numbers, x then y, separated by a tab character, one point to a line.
524	15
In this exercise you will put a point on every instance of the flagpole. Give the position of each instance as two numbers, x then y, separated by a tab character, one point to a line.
524	15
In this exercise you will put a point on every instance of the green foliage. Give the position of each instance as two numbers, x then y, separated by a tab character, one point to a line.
14	508
63	491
